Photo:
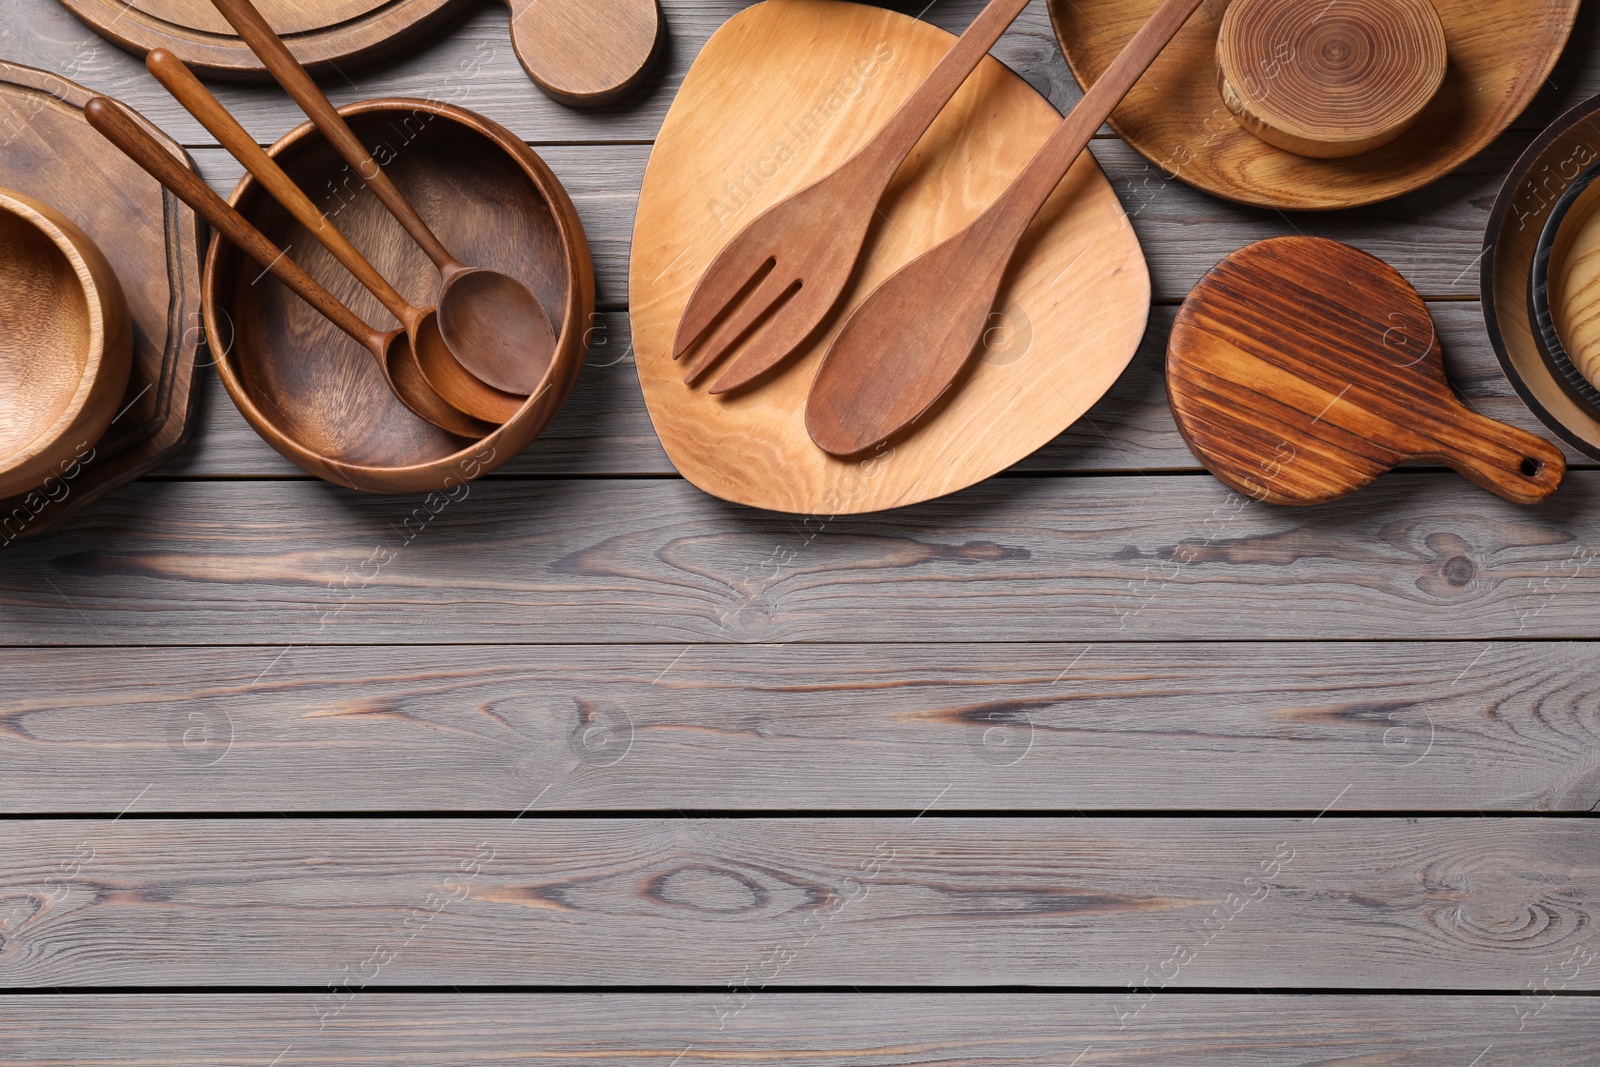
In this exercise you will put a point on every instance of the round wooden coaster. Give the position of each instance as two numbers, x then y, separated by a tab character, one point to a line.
784	92
1300	369
1500	53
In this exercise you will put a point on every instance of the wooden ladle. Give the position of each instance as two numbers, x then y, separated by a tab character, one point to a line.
906	343
433	356
392	349
492	322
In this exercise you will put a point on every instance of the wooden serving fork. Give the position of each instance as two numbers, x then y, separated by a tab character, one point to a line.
905	344
795	259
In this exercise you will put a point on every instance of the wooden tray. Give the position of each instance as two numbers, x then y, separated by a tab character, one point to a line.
1556	159
152	241
1500	52
782	93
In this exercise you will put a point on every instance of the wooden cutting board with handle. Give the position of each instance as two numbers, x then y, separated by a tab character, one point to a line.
1300	369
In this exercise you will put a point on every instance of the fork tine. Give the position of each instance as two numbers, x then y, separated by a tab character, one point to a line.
772	289
730	279
770	343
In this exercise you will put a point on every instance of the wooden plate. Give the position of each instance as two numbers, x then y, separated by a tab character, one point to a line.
318	397
152	242
782	93
582	52
1556	159
1500	52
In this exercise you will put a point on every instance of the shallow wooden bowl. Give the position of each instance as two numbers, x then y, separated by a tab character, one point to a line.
318	397
1549	167
66	343
1564	292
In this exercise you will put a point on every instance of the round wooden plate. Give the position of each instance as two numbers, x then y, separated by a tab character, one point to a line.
152	242
1500	52
784	92
1556	159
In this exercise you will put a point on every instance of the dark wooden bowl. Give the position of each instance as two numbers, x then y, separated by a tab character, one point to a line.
1553	305
66	343
315	395
1556	160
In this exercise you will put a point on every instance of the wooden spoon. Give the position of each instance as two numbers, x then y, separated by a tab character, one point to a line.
492	322
795	258
392	349
905	344
434	359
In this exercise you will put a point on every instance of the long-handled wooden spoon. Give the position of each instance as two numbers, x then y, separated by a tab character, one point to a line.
492	322
433	356
795	258
391	349
904	345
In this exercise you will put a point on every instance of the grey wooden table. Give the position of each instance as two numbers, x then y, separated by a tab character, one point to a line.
1084	765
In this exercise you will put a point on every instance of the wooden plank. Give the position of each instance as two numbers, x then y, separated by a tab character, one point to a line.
472	64
1366	903
1269	727
599	561
1434	237
799	1030
605	430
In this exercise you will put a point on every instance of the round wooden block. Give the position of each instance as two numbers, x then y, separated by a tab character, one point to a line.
585	53
784	92
1501	52
1330	80
1300	369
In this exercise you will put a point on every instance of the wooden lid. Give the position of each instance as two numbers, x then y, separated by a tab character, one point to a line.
1329	80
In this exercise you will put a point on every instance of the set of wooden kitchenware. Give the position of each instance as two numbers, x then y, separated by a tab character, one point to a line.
881	271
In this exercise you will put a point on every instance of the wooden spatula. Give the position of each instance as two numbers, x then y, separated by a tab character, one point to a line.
906	343
1300	369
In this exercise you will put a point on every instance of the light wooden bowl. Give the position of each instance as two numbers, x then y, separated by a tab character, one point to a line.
314	394
66	343
1552	164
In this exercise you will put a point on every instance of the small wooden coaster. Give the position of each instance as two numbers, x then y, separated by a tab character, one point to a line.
152	242
1300	369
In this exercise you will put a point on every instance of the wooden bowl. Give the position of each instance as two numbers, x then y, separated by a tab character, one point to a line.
66	343
1551	165
1564	291
315	395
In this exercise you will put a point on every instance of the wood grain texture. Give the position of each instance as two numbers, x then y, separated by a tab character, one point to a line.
605	430
1334	81
474	65
303	387
1064	727
829	74
586	53
1307	415
1468	903
1501	52
1527	198
151	243
806	1030
66	343
578	562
